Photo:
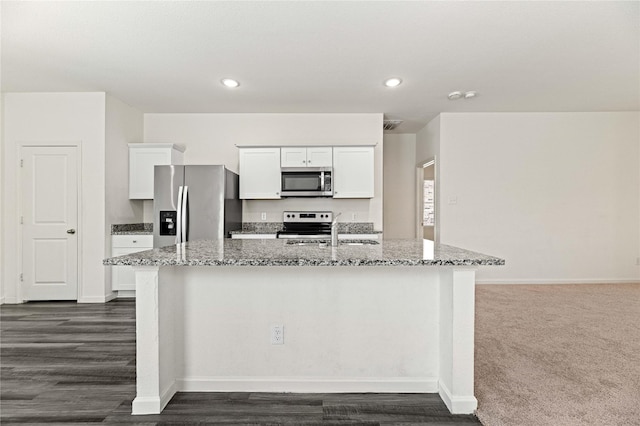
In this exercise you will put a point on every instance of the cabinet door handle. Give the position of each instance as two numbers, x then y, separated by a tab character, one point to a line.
71	231
135	241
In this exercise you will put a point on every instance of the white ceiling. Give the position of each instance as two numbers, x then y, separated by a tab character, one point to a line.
329	56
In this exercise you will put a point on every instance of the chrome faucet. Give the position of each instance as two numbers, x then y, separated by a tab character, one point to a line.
334	230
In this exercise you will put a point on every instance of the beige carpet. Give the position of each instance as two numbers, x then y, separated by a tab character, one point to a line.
558	354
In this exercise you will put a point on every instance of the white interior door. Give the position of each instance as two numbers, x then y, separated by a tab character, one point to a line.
49	223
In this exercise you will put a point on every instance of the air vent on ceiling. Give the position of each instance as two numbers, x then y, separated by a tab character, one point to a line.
391	124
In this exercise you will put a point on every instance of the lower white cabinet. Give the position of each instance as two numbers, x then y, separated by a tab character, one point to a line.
123	279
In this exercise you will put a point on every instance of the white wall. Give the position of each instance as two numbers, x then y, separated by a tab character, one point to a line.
212	139
57	118
555	194
391	318
399	185
2	179
123	126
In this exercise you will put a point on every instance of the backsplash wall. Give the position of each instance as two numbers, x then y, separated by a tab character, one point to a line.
352	210
252	209
214	139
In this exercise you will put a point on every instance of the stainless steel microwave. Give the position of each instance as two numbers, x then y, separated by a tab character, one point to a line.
306	182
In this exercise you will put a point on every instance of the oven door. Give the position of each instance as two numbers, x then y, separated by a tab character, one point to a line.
306	182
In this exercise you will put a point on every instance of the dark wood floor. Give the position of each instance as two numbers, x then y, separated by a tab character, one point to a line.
70	363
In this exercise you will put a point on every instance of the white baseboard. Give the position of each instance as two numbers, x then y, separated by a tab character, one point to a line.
561	281
309	384
457	404
126	294
111	296
11	300
97	299
1	300
152	404
145	405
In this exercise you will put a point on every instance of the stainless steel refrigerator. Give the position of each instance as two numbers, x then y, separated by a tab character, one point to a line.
194	203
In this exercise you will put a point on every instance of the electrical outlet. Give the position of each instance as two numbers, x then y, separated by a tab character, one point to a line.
353	217
263	216
277	335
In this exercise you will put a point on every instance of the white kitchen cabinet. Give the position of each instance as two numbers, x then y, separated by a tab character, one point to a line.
353	172
259	173
142	159
123	279
316	156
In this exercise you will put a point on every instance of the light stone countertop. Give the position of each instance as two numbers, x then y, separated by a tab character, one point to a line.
281	252
132	229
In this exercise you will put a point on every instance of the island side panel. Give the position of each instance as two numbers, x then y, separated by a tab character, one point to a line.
346	329
457	321
155	343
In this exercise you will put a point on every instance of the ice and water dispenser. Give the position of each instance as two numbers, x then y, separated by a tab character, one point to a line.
168	222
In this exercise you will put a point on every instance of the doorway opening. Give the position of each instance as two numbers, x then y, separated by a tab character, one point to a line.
426	206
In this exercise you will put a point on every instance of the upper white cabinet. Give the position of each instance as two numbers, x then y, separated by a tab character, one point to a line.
294	156
353	172
259	173
142	158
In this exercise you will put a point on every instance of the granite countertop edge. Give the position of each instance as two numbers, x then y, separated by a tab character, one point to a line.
303	262
132	229
131	233
341	232
233	252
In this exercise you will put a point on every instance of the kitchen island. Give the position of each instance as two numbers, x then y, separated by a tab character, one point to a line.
397	316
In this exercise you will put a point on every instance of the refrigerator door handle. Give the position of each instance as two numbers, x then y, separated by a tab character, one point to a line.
185	218
179	217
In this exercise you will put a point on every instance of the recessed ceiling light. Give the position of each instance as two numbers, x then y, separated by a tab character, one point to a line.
454	95
229	82
469	95
392	82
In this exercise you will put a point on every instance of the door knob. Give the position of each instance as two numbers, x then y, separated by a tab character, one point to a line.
71	231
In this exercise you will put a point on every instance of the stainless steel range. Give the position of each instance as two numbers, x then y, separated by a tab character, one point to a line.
306	225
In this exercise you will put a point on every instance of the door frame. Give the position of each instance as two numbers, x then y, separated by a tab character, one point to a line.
20	198
420	197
